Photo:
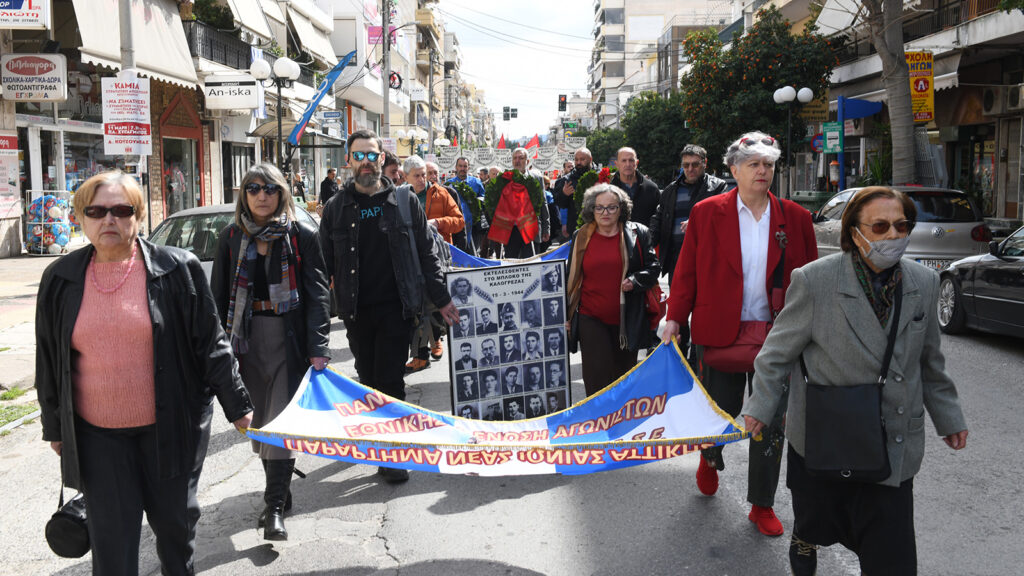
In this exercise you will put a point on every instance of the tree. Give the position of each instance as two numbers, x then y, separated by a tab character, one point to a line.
729	92
655	127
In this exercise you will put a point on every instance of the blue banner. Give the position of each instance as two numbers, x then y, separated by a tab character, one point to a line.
462	260
325	86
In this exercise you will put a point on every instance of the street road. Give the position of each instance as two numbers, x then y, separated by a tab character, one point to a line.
645	520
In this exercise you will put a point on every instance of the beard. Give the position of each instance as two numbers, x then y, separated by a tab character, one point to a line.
368	179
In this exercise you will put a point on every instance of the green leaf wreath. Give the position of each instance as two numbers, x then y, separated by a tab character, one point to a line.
468	196
588	179
496	185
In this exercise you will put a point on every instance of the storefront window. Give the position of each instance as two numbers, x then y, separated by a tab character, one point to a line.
181	174
238	158
84	158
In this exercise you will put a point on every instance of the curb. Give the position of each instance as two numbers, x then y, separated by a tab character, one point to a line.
15	423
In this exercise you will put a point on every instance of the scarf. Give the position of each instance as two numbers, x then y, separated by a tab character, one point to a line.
283	288
879	288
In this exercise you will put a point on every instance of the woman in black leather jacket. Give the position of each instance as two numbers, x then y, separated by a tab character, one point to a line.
270	284
611	263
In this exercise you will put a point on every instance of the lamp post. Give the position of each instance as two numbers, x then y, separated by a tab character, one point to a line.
285	72
786	95
411	138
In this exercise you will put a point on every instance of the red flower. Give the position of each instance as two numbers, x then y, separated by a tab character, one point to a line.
604	176
507	175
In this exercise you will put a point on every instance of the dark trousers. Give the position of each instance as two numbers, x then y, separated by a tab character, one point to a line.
874	521
121	480
516	248
603	361
379	338
727	389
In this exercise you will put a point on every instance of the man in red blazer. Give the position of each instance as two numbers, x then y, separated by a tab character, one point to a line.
724	275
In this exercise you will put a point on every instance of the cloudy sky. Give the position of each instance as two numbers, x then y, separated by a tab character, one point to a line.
523	54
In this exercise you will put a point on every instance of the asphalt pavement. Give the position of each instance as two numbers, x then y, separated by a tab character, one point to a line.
645	520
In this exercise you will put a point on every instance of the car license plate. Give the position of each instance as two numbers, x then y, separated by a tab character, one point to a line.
936	264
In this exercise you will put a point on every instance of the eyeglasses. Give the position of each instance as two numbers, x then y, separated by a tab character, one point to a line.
767	141
119	211
371	156
688	165
611	209
881	227
253	189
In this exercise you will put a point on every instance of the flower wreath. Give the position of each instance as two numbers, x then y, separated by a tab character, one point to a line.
496	185
588	179
468	196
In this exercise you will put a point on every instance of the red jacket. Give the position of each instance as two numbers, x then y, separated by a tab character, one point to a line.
708	278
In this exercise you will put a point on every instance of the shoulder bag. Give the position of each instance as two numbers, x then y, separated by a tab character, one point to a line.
66	531
845	435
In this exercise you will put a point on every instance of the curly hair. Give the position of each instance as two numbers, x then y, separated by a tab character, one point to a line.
590	200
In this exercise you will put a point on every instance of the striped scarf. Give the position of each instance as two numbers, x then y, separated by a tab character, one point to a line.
283	287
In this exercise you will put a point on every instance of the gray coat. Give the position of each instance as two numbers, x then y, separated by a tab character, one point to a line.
828	317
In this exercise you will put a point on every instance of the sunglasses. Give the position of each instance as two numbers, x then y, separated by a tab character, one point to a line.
881	227
688	165
119	211
253	189
371	156
611	209
767	141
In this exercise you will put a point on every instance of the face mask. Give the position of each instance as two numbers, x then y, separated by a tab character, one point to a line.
885	253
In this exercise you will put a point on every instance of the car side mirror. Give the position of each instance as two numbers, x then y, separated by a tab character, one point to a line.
993	248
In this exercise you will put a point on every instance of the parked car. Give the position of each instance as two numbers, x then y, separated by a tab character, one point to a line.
985	292
949	225
198	229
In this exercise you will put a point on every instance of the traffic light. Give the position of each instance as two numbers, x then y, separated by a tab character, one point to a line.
506	113
561	102
515	112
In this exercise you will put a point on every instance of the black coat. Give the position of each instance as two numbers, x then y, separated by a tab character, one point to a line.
192	356
328	188
567	202
308	326
664	219
645	201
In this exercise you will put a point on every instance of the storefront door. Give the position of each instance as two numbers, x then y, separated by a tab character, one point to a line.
181	174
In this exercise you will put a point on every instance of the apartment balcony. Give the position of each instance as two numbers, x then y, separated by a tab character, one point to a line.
426	20
423	59
205	41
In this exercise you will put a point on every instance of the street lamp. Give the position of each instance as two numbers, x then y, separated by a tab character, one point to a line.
285	72
786	95
411	137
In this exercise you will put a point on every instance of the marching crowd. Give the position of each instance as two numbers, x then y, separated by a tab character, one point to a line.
775	331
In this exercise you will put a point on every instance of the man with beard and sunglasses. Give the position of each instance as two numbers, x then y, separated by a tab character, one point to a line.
376	286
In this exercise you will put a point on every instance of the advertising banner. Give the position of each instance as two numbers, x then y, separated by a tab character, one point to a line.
126	123
231	92
24	14
657	410
508	351
922	85
10	189
34	77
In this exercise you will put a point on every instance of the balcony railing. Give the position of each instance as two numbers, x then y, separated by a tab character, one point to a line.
205	41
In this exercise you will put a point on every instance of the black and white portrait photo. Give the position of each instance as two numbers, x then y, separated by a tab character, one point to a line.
551	278
462	292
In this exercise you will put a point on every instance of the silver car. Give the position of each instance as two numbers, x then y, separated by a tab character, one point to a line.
949	225
198	230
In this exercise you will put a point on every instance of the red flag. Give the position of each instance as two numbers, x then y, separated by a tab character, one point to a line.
501	142
534	142
455	140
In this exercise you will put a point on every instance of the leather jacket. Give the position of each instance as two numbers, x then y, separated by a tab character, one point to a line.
192	356
308	327
664	219
339	235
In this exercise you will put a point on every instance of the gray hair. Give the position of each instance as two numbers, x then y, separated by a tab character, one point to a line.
524	151
413	162
752	145
433	165
269	174
590	200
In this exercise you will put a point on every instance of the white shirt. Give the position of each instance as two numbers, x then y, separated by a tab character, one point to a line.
754	236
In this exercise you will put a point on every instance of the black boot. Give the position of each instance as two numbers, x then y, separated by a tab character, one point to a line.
287	503
279	476
803	557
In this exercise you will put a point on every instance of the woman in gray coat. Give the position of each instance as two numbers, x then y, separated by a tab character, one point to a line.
837	315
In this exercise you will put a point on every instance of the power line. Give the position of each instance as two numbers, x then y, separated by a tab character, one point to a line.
502	35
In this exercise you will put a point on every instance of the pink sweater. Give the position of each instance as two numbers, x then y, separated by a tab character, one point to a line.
112	350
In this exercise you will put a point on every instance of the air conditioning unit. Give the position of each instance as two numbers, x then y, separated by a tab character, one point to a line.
1015	97
993	102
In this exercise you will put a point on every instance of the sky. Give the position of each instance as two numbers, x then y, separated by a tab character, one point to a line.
523	54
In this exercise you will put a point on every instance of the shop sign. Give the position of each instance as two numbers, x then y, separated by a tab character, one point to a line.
9	177
25	14
418	94
922	85
815	111
34	77
390	145
330	116
126	122
833	137
231	92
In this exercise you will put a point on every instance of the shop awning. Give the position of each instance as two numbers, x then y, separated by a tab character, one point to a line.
312	38
161	50
249	14
268	129
273	10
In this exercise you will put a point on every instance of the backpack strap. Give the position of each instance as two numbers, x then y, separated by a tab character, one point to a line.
403	197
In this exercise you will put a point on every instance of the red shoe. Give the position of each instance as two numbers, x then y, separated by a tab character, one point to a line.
707	478
766	521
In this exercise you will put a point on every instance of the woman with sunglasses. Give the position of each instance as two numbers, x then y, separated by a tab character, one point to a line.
837	318
129	355
270	284
611	263
732	278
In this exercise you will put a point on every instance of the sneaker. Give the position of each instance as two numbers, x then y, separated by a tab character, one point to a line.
437	350
707	478
803	557
416	364
393	475
765	520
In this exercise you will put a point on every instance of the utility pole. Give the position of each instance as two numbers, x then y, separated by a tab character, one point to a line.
124	12
385	73
430	97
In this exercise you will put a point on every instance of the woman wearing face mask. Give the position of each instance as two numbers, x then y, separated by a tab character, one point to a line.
836	322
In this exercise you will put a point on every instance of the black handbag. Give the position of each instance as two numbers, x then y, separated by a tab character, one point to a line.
66	531
845	436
